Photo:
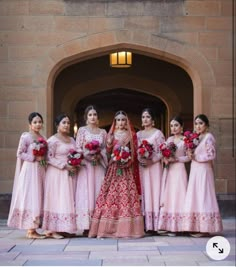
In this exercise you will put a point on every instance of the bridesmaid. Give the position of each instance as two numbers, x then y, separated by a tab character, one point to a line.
91	175
118	211
59	202
150	171
174	182
201	209
26	209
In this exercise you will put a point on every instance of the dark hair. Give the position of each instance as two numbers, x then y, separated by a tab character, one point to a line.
59	118
90	107
120	112
33	115
149	111
204	118
178	119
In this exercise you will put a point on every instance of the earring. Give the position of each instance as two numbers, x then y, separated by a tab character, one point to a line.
153	123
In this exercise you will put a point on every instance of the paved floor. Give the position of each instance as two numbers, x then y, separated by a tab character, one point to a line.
156	250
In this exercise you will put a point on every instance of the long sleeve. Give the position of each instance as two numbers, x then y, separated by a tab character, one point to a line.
157	156
80	139
24	152
183	157
52	160
209	153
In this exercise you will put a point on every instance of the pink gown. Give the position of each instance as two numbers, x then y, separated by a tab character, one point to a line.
174	187
201	211
26	209
90	178
118	211
59	201
151	181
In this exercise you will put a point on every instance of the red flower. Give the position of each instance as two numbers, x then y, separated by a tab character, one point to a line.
145	150
168	149
74	158
40	148
93	148
121	155
191	139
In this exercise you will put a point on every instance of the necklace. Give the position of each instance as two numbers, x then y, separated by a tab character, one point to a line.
148	132
63	138
177	139
34	135
93	130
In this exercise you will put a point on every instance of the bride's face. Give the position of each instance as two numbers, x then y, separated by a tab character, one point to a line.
121	123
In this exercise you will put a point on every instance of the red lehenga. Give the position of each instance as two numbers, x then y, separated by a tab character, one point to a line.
118	210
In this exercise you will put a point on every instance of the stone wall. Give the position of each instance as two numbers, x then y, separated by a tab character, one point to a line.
40	38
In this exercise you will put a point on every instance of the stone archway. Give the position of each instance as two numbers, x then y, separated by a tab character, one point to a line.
189	59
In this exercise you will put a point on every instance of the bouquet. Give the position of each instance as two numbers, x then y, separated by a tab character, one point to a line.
121	155
168	150
191	140
93	148
40	148
74	158
145	150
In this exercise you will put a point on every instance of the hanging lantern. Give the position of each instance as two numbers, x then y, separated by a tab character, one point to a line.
121	59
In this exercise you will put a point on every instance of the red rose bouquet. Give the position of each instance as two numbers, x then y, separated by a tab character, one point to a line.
168	150
40	148
145	150
191	140
74	159
93	148
121	155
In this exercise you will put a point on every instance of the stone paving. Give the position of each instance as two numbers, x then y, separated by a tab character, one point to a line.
16	249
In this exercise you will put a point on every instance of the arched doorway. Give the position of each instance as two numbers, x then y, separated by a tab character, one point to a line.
132	102
151	82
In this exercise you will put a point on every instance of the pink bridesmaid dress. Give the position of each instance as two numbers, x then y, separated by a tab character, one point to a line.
151	181
174	187
201	211
90	177
59	201
26	209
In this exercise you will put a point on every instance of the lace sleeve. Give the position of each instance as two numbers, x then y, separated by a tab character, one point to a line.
210	150
52	145
183	158
80	139
158	140
23	151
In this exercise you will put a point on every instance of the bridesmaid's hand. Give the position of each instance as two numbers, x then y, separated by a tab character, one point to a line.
70	168
190	154
110	139
166	161
39	158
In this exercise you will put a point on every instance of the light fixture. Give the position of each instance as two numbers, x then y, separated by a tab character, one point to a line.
122	59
